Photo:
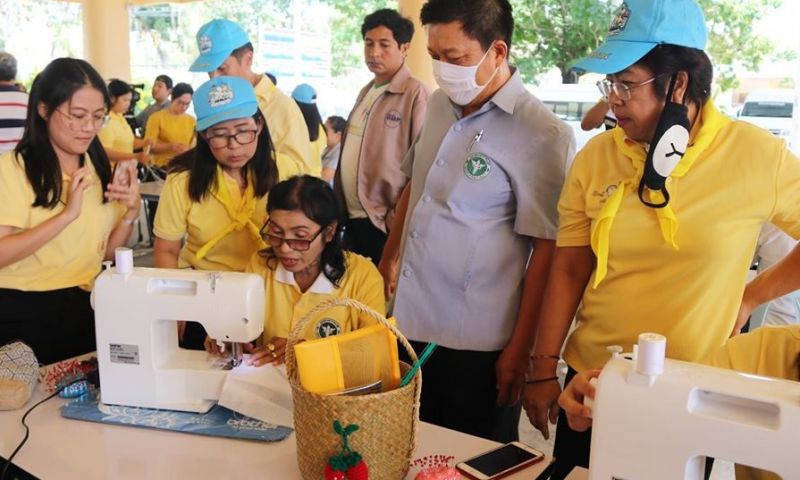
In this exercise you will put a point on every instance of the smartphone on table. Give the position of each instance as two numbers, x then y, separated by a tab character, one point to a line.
121	175
500	462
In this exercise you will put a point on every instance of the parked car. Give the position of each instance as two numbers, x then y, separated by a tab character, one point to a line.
570	103
771	110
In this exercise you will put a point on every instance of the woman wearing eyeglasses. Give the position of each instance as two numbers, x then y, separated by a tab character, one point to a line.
216	194
304	265
658	217
60	215
171	130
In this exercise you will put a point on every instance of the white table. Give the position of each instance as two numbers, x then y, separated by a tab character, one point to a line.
60	448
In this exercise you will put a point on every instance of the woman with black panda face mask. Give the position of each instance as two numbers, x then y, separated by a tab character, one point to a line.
658	217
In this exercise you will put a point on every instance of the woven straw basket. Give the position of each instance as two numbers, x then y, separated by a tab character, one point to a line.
388	420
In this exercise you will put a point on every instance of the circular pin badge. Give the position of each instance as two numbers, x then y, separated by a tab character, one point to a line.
477	166
328	327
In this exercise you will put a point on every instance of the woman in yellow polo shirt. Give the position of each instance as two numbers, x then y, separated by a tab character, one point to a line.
659	217
304	265
215	197
117	136
60	215
172	130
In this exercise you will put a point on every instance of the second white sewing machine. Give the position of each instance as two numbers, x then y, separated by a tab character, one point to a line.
136	315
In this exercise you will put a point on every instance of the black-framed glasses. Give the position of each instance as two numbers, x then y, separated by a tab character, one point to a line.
621	89
77	122
242	138
296	244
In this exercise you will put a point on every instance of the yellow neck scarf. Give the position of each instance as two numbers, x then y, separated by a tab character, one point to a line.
241	215
709	122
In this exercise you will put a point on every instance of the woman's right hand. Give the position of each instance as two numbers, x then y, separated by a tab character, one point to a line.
81	180
540	403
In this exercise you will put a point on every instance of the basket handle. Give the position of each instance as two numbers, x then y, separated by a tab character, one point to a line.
295	334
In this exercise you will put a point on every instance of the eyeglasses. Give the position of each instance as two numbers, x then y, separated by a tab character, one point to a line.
296	244
621	89
77	122
242	138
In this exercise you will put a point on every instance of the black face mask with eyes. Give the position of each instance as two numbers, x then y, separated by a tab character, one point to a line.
667	148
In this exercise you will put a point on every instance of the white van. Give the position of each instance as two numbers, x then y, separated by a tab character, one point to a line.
771	110
570	102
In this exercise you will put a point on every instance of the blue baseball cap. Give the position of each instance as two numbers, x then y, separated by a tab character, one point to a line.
639	25
223	98
215	41
304	93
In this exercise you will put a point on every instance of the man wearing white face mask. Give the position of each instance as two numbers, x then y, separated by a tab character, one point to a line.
477	223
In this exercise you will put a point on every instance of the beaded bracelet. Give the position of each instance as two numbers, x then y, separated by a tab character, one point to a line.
540	380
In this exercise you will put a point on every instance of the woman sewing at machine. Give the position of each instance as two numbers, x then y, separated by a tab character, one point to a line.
216	194
60	214
304	265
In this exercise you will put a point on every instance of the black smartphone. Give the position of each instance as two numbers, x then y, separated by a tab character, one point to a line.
500	462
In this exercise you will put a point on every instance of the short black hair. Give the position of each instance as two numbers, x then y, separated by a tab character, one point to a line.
401	27
239	52
181	89
483	20
666	59
166	79
337	123
118	88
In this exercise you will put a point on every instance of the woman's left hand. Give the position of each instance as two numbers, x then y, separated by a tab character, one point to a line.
273	352
127	195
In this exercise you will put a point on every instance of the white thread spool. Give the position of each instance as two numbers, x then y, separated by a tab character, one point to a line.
123	257
651	353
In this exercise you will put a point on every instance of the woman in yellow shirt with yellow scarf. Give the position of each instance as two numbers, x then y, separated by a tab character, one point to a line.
659	217
216	195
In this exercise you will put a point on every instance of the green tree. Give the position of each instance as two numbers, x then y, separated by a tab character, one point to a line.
555	33
731	41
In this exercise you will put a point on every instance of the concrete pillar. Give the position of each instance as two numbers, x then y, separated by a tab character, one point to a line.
418	60
106	37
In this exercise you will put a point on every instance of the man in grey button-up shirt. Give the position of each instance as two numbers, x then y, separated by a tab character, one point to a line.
486	172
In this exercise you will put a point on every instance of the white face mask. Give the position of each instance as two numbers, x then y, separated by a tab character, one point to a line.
458	82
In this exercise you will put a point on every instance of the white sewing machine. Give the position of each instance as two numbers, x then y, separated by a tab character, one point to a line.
654	423
138	356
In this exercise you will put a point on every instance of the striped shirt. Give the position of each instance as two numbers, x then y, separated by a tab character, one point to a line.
13	109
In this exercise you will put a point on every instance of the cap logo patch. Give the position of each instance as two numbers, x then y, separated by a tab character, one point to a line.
620	19
599	55
204	44
220	95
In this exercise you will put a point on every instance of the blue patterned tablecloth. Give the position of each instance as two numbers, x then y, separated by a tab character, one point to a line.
217	422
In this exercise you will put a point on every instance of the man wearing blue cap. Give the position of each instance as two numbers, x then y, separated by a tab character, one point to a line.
659	217
385	119
225	49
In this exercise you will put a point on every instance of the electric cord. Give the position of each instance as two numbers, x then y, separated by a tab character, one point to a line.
27	430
